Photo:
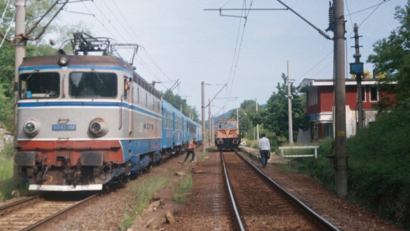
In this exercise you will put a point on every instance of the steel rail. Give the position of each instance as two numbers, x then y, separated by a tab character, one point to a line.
231	196
319	220
18	204
58	214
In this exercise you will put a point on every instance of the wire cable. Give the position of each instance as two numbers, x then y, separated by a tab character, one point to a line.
139	40
317	64
8	29
4	12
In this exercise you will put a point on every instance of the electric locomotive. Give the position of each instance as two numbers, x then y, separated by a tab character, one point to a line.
85	121
227	136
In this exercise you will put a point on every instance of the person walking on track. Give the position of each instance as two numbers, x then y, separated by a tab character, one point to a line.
191	149
264	149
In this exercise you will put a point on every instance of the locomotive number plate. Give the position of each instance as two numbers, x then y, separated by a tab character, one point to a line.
64	127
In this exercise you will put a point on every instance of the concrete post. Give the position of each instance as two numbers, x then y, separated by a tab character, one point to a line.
203	116
20	53
209	122
340	100
358	80
257	125
290	109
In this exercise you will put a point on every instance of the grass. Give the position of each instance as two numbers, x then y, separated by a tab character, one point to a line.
203	156
183	189
144	189
8	186
6	169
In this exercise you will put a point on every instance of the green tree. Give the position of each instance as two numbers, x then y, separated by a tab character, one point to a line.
275	117
35	9
392	57
177	101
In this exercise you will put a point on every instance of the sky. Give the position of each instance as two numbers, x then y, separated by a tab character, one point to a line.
180	41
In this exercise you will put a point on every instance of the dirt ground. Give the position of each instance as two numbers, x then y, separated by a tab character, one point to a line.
107	212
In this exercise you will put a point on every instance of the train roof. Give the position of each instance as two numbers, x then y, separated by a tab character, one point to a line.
168	106
76	60
99	61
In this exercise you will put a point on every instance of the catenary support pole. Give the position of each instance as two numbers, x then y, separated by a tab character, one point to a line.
340	100
290	108
257	125
237	118
209	122
358	80
20	53
203	116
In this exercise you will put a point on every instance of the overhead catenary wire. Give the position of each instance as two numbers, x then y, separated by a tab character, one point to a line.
377	6
138	39
8	29
368	8
3	15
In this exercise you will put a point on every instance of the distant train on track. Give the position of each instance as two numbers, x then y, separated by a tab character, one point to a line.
227	134
84	121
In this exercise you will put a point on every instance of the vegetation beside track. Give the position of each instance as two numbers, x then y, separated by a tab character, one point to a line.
182	191
144	189
378	177
6	173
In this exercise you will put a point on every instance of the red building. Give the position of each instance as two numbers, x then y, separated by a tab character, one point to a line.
320	104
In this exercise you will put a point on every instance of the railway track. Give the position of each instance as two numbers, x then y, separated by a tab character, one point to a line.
259	203
35	213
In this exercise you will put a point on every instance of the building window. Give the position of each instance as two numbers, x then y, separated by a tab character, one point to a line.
363	94
373	94
313	96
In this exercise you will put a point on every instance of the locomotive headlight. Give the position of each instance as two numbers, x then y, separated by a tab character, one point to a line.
32	127
98	127
64	61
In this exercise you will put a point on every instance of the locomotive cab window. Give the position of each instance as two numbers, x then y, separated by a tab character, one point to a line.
232	125
93	85
39	85
222	125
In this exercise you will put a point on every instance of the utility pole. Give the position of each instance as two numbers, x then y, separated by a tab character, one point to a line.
237	118
212	129
359	77
257	125
203	116
340	99
290	108
180	107
209	122
20	53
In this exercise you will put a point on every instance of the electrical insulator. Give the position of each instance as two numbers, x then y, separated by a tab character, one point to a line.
331	16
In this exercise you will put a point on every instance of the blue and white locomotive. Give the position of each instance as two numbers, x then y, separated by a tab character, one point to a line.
84	121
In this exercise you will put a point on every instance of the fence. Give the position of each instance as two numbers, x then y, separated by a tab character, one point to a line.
299	155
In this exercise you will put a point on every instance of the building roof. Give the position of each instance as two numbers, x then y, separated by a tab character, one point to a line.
308	83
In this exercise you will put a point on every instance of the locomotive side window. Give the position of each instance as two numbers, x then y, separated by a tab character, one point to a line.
93	85
39	85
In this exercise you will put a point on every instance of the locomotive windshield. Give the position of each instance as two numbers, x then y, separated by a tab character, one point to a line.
227	125
232	125
222	125
93	85
39	85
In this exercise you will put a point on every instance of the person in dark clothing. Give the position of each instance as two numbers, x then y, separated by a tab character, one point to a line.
191	149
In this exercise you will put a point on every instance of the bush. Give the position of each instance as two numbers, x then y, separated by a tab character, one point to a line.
378	175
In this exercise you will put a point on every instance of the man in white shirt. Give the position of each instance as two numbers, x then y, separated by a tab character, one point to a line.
264	149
